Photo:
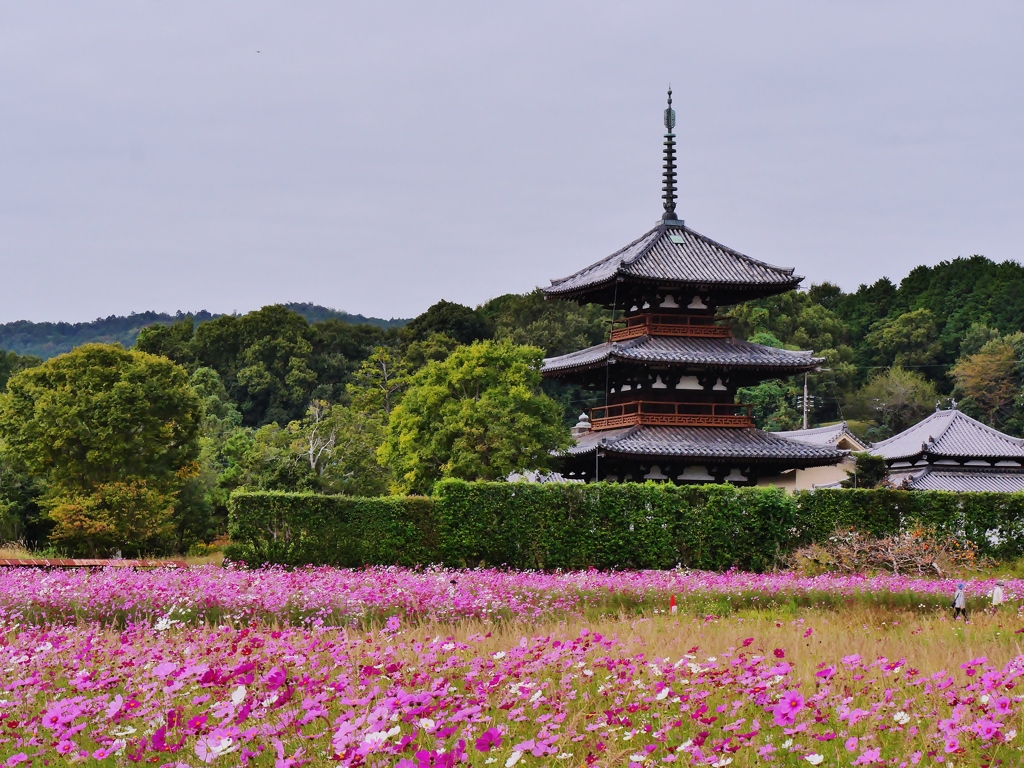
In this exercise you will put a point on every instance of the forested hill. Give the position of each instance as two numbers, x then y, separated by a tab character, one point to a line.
48	339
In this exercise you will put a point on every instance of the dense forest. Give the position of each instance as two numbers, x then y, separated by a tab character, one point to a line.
44	340
296	397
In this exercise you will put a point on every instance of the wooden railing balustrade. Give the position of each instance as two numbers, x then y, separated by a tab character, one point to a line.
669	325
655	413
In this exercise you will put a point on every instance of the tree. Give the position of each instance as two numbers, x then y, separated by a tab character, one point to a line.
11	363
378	384
338	446
771	401
557	327
102	414
869	471
461	323
478	415
895	400
988	382
911	339
112	433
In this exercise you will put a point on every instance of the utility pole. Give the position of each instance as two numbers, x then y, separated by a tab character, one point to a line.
805	399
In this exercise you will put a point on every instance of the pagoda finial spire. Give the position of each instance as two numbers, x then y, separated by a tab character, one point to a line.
669	189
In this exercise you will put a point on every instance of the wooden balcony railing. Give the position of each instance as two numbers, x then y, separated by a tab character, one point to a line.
654	413
669	325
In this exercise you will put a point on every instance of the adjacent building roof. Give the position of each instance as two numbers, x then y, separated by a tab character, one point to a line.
950	434
835	435
671	254
959	479
675	350
706	444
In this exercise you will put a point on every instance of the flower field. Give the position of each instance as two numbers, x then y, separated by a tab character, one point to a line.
388	667
340	596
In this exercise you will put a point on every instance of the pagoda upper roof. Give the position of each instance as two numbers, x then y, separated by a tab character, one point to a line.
683	350
706	444
950	434
673	255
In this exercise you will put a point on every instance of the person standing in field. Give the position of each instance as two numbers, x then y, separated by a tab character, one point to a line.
997	595
959	603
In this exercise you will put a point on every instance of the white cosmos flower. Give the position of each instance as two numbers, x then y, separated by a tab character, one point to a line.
427	724
721	763
662	694
238	695
814	759
513	758
901	717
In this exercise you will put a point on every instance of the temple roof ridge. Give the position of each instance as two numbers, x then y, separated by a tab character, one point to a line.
950	433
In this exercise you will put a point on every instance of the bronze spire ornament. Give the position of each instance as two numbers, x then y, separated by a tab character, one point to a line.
669	189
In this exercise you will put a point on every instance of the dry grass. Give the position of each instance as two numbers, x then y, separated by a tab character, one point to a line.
929	643
15	550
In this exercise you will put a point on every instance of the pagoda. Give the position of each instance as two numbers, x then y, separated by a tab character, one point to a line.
669	372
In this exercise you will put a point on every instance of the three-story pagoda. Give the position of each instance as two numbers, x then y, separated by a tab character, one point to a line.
671	367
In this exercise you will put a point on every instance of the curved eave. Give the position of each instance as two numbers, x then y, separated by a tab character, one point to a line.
776	370
704	445
727	292
677	352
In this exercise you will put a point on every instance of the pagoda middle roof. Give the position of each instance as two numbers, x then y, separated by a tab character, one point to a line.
672	254
705	444
686	350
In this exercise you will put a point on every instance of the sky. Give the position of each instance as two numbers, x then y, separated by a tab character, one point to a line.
379	157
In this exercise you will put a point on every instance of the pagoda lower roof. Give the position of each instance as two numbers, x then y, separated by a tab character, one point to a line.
671	254
681	350
706	444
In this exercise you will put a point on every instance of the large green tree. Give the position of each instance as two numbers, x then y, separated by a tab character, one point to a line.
113	434
478	415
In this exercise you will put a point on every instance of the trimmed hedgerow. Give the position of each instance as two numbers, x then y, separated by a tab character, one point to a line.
311	529
600	525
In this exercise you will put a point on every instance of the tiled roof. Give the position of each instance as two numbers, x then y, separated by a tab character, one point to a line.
705	443
953	434
830	435
961	479
730	352
676	255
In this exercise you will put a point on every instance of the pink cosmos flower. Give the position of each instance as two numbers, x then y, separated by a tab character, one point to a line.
952	745
788	708
14	760
851	744
1002	705
869	756
986	729
827	672
489	739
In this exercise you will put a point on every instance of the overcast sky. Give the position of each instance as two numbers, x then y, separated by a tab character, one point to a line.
379	156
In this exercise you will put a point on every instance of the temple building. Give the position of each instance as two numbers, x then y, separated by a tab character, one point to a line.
950	451
828	476
669	372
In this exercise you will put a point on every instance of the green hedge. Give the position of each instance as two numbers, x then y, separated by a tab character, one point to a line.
573	525
310	529
609	525
993	521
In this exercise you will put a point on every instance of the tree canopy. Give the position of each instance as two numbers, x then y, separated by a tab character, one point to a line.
479	414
